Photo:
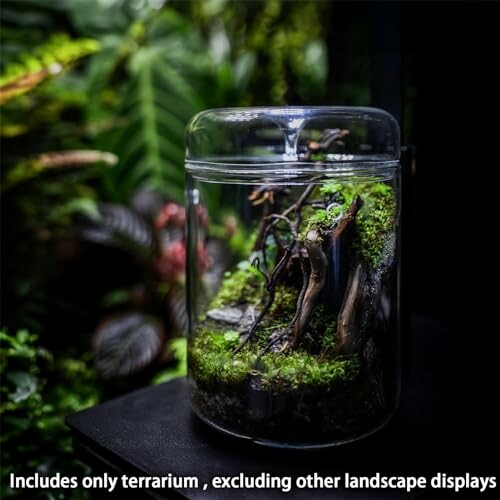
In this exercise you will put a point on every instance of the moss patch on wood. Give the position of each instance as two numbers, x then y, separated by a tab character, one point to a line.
374	222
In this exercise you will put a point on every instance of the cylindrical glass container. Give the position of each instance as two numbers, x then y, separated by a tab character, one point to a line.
293	217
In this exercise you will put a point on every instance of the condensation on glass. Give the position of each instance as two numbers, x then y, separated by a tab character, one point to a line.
293	222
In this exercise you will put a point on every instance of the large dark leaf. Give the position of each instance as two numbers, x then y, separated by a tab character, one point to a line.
125	344
147	203
119	227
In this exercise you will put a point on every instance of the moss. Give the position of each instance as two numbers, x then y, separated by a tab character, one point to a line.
285	301
323	325
330	188
318	157
246	284
321	219
374	221
212	361
298	368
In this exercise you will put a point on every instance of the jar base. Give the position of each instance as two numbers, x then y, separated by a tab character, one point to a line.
269	443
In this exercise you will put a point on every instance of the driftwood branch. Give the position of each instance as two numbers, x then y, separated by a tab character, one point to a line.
272	220
313	243
348	329
305	283
313	275
328	137
312	286
346	221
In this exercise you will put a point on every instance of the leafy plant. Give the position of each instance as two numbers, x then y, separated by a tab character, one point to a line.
38	390
274	50
28	169
127	343
116	93
131	336
168	73
178	349
35	66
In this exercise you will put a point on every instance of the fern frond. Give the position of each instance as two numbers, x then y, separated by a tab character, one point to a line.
46	60
157	104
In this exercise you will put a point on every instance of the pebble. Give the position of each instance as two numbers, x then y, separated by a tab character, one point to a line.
230	315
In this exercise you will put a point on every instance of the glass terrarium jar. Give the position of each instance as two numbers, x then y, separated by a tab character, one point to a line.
293	217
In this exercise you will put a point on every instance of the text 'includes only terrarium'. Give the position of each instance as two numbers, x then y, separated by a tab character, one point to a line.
293	217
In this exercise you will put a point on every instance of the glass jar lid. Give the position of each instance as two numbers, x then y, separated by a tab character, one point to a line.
291	139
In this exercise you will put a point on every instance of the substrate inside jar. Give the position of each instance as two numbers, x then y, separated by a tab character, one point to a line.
298	345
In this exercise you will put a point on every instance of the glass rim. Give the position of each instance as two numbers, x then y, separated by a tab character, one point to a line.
289	172
289	109
216	136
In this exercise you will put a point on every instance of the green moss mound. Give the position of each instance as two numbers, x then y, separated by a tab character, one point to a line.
212	361
243	285
375	220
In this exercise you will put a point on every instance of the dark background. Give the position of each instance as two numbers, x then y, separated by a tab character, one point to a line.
449	257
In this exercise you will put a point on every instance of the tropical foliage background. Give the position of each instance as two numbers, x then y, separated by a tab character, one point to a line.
95	96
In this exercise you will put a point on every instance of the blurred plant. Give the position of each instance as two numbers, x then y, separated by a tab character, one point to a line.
28	169
131	335
177	347
134	97
273	50
150	77
98	249
35	66
38	390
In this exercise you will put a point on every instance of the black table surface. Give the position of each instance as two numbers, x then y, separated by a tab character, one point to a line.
152	431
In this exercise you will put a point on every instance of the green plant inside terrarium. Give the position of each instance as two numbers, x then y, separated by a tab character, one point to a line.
272	321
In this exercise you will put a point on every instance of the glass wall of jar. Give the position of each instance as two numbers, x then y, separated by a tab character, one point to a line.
293	217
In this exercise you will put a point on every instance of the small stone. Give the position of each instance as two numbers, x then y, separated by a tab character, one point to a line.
247	318
230	315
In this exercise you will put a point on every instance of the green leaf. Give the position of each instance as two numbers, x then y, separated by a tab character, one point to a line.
178	347
159	98
47	60
126	343
85	206
25	383
55	161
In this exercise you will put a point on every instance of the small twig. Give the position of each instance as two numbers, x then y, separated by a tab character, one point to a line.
259	240
305	280
271	285
281	264
328	137
271	288
300	298
256	263
284	219
259	318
